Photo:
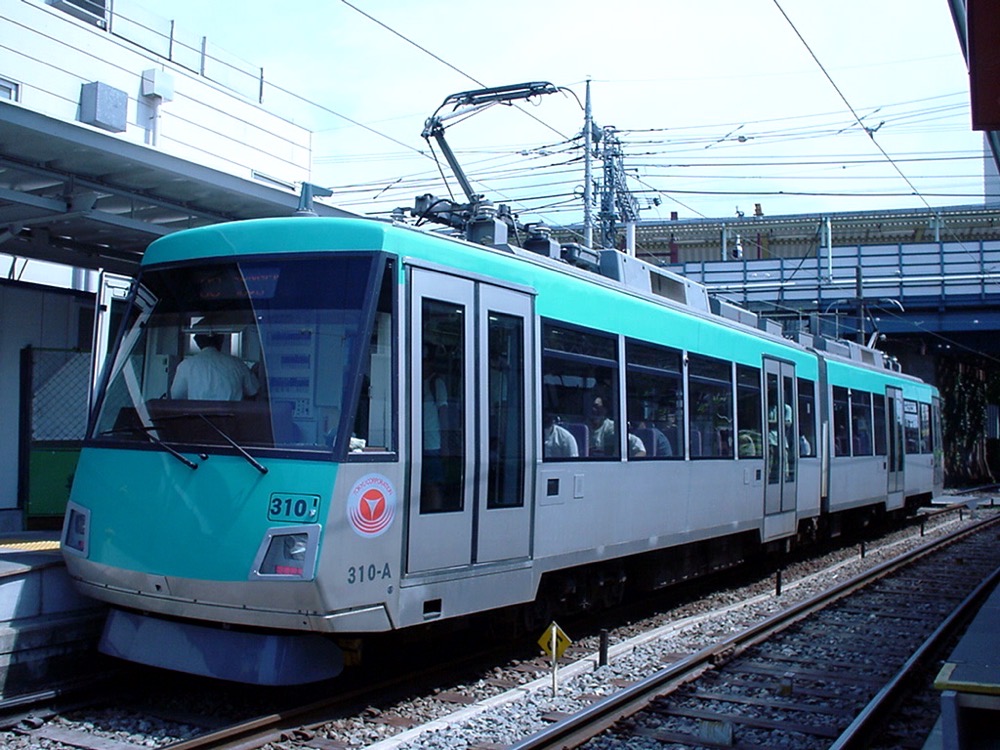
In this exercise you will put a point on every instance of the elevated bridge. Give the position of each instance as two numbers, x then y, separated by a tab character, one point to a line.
920	289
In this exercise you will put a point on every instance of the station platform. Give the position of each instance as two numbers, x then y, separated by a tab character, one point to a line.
970	684
971	501
47	630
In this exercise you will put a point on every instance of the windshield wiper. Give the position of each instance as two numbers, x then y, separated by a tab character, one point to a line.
144	430
154	423
242	451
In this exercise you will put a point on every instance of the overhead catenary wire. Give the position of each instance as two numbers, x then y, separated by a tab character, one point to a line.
516	169
538	154
441	60
716	126
924	118
431	153
870	132
922	329
857	117
919	112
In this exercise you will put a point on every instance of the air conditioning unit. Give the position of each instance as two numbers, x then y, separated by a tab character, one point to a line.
91	11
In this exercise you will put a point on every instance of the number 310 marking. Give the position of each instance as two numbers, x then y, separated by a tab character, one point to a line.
370	572
292	507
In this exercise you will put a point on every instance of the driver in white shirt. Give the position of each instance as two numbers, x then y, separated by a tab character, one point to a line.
212	375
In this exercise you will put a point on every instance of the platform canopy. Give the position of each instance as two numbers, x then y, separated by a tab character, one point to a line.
72	195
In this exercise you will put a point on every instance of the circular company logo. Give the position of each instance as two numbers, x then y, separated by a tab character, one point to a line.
371	505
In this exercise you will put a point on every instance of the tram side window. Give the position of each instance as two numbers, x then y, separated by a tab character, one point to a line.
925	428
936	433
654	388
710	405
442	405
807	418
861	420
841	423
579	394
505	420
911	423
881	441
748	413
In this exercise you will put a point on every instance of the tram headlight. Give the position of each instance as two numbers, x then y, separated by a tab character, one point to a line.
290	553
76	529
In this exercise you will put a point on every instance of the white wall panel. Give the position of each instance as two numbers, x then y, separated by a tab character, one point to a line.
51	54
35	316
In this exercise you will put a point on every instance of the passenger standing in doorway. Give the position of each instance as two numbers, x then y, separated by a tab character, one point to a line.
212	375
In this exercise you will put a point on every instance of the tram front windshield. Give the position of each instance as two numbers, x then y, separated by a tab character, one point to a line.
283	353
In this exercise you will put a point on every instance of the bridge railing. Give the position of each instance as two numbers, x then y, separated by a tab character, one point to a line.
946	271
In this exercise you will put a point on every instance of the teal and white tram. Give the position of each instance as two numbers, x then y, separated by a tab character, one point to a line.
436	429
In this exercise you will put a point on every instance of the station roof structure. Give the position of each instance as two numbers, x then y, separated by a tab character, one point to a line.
75	196
977	23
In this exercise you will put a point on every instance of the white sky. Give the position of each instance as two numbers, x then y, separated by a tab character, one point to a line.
681	79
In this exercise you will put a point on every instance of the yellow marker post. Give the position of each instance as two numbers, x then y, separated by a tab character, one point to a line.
554	642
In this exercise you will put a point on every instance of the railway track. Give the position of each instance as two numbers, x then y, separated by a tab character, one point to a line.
821	674
404	712
300	730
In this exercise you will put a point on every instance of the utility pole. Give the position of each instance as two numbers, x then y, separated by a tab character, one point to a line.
859	293
617	203
616	200
588	175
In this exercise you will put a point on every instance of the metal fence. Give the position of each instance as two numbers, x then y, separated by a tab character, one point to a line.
55	387
947	271
164	37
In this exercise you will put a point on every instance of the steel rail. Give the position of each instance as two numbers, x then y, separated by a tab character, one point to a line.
859	733
260	730
580	727
78	691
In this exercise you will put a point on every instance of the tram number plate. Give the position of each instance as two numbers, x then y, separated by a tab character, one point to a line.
296	508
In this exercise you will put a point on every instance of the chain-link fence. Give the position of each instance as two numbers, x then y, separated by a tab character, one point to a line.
55	384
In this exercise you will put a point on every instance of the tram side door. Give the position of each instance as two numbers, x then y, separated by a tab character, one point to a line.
469	395
782	455
894	460
505	365
937	446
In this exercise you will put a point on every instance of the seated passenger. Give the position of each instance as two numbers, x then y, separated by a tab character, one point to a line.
602	430
604	436
211	375
749	444
636	448
661	443
862	440
557	441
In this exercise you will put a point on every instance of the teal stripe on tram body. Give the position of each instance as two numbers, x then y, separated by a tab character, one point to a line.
151	514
